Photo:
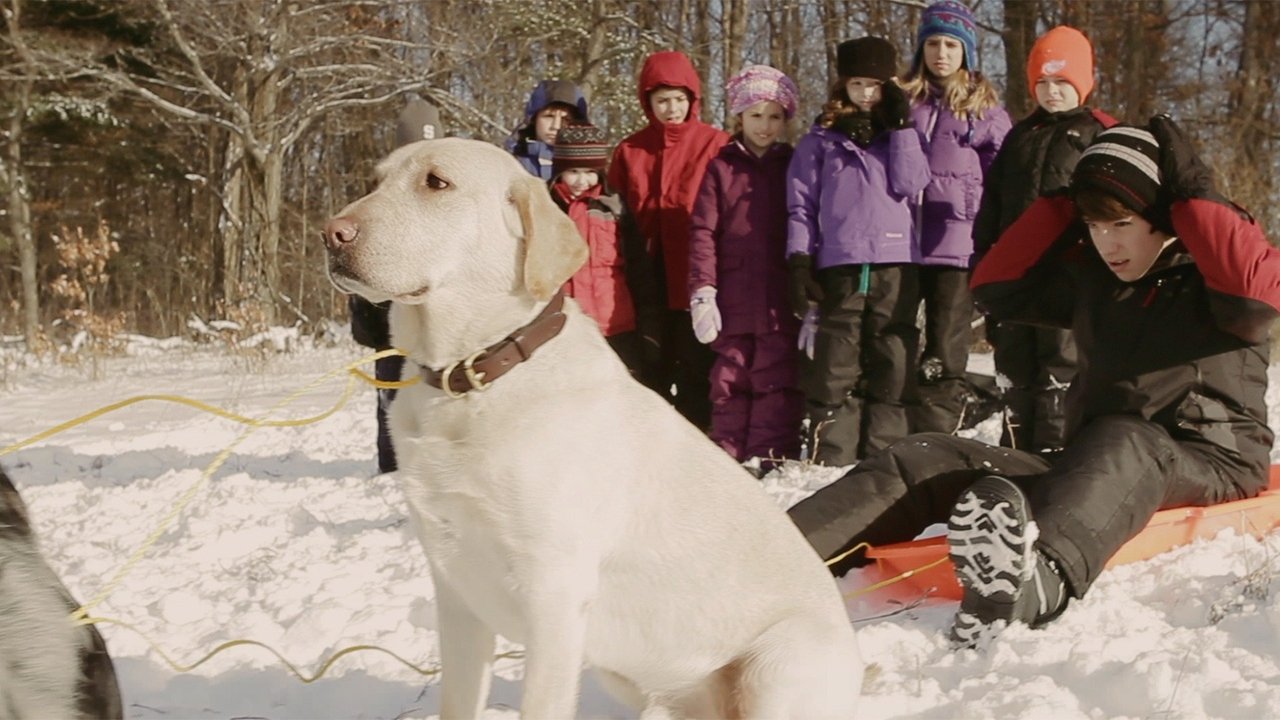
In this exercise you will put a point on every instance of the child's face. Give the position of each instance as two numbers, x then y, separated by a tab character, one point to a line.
761	125
549	120
579	180
670	105
863	92
1129	245
943	55
1056	94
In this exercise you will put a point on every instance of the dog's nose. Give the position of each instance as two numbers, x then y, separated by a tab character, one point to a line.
340	231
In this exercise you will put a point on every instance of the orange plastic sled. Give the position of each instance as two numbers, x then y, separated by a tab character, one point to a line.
1168	529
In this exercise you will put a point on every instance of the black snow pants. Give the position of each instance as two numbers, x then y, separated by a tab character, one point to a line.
854	386
939	399
387	369
1037	364
1099	492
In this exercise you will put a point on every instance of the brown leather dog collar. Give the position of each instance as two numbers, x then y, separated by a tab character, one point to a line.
482	368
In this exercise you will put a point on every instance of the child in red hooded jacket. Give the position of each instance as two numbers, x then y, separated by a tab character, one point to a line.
658	170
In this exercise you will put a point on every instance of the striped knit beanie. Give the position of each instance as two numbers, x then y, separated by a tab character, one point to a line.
949	17
758	83
579	146
1124	162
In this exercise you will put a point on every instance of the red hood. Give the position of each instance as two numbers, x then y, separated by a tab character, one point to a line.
672	69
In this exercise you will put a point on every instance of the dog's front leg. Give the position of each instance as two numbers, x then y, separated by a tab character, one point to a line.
554	653
466	656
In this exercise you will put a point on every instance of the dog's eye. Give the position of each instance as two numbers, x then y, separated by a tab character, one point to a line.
435	182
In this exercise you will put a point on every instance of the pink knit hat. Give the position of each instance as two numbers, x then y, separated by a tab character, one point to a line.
758	83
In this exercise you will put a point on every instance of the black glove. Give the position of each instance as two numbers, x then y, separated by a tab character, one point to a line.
893	112
1183	174
858	125
803	287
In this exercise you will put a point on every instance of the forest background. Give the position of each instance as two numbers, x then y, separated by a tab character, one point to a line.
166	165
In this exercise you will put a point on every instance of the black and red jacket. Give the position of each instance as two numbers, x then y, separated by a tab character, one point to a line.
1184	346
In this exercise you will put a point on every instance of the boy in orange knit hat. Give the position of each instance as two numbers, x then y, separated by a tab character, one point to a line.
1034	365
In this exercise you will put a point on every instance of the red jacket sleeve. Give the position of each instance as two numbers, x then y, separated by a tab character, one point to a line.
1241	269
1018	280
1025	241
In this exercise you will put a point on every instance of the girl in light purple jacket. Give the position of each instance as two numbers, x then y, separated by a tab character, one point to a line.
851	250
957	113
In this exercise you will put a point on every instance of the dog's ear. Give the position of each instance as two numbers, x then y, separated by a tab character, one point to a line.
553	248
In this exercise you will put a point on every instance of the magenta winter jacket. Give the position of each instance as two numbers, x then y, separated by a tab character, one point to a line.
737	238
848	205
959	151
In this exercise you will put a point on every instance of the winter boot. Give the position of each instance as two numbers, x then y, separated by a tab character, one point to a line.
1005	580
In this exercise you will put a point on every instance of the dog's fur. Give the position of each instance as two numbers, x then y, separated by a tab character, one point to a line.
49	667
567	507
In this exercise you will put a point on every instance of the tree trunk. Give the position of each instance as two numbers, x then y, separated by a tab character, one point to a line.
20	218
19	194
1019	35
733	32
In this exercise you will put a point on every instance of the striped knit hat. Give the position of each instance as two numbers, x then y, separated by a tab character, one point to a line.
1124	162
579	146
949	17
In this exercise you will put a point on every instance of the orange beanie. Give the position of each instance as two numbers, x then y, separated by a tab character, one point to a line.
1066	53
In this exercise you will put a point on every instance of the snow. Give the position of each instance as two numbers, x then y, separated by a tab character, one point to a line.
296	543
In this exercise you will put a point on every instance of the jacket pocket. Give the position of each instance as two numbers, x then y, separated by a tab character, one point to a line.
1209	419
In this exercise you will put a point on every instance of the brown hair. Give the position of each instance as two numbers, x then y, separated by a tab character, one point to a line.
1099	205
963	92
838	103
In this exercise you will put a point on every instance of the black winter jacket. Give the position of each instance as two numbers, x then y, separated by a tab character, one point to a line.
1184	346
1036	159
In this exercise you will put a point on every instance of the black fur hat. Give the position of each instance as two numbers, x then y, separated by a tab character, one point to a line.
869	57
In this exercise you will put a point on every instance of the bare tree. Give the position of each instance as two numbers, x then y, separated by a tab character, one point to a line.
19	77
262	72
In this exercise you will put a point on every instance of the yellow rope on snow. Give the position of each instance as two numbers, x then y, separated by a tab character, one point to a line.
253	424
302	676
352	368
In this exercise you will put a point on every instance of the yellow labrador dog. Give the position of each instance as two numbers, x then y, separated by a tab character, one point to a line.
559	502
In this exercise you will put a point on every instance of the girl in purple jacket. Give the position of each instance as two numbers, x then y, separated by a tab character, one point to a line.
852	254
957	113
738	276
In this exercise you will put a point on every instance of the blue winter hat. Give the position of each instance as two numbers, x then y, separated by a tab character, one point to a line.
949	17
559	92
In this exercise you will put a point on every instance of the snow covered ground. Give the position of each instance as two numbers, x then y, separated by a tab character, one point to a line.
296	543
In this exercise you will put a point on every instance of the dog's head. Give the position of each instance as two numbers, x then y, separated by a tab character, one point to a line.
452	216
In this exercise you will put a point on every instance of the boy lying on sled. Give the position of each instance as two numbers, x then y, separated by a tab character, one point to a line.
1170	291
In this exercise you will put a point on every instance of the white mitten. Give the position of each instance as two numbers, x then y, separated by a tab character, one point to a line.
808	331
705	314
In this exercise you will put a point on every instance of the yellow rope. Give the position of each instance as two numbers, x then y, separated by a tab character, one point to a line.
847	553
883	583
897	578
253	424
227	414
304	677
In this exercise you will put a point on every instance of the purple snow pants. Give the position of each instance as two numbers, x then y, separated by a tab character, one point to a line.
755	404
